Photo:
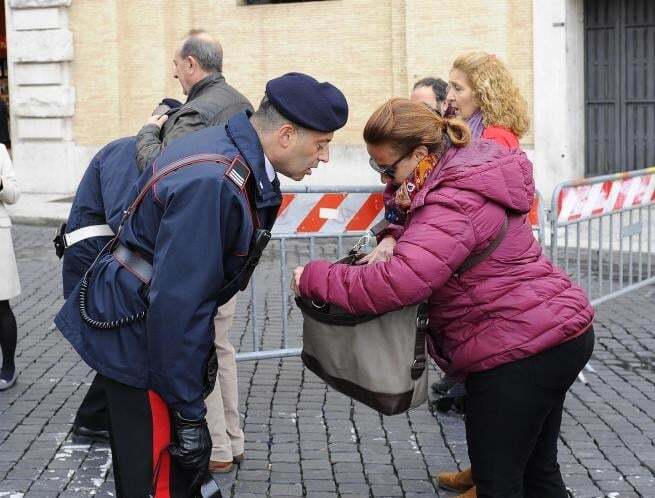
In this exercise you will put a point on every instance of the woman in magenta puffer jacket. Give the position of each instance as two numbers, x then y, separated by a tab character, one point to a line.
514	325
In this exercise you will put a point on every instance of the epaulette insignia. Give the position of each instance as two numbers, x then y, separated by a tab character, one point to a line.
238	173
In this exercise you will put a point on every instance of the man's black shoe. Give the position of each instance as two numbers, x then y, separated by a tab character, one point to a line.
85	435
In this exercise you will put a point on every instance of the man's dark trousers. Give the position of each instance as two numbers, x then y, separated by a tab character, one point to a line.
92	413
513	417
140	434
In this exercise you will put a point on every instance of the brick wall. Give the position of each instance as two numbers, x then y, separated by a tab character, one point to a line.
371	49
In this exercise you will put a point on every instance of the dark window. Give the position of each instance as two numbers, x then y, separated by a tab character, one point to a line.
619	89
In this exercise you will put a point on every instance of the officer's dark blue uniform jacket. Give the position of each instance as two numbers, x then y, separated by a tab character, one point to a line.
99	200
195	226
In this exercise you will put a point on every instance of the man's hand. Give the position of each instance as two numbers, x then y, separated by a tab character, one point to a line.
382	252
157	120
295	280
191	448
192	444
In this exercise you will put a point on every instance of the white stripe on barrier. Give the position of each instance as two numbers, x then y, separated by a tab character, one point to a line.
347	209
330	213
295	213
615	189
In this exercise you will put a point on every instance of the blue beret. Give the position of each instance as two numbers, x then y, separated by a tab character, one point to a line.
308	103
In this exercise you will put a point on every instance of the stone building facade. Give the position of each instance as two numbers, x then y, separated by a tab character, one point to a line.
83	72
42	96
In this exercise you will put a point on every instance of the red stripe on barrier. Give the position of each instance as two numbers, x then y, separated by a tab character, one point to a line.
313	222
623	194
286	200
161	438
560	201
533	215
367	213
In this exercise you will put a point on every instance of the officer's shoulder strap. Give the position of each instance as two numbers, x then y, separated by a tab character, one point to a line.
239	176
238	173
171	168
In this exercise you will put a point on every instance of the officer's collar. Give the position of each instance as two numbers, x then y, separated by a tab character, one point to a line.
247	141
202	84
270	170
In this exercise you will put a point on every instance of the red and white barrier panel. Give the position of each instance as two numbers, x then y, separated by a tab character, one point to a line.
334	213
339	213
588	200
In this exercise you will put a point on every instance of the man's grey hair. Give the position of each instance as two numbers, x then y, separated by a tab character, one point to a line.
267	118
203	48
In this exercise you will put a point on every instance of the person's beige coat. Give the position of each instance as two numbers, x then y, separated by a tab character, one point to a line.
9	283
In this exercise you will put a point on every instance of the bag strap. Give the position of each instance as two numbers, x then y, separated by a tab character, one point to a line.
476	259
174	166
422	317
260	237
422	322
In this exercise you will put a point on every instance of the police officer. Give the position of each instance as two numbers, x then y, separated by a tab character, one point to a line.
211	101
190	238
93	219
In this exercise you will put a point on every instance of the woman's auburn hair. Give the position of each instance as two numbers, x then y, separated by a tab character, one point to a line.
405	125
495	91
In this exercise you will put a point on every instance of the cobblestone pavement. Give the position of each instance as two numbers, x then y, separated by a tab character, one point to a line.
303	439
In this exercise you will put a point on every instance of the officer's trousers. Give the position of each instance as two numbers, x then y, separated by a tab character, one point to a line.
140	432
92	413
223	402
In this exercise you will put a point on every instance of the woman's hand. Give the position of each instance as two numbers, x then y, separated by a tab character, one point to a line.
295	281
382	252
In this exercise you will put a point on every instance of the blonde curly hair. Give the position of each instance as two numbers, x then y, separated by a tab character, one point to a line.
496	93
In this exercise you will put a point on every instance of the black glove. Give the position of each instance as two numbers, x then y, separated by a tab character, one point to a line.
192	444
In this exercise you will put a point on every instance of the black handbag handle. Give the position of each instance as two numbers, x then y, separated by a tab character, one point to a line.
422	324
326	314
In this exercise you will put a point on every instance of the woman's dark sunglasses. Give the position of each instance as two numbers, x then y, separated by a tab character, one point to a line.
389	171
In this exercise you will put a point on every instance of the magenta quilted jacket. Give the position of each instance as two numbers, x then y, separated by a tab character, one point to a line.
510	306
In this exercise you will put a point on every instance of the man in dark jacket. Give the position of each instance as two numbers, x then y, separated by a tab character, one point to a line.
210	100
93	219
189	242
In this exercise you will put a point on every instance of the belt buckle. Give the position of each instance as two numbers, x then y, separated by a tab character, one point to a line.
60	241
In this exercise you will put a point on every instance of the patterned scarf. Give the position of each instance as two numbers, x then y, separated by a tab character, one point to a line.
397	207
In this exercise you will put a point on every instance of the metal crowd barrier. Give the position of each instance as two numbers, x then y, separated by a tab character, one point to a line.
337	215
298	223
537	217
601	232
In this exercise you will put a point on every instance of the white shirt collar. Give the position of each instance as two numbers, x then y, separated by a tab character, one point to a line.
270	171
